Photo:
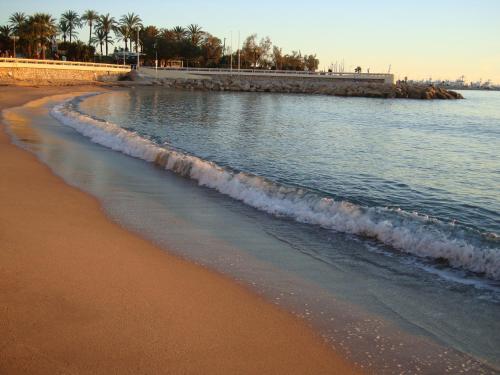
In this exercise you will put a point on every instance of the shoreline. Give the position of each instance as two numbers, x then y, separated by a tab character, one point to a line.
80	293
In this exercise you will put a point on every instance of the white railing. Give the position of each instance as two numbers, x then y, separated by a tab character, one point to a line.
284	72
56	63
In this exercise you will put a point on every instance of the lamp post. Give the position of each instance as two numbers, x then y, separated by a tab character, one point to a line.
156	59
239	52
231	59
137	48
14	38
224	49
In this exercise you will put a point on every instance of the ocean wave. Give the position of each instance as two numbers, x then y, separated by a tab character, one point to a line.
406	232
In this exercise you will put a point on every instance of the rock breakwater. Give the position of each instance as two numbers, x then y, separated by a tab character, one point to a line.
318	86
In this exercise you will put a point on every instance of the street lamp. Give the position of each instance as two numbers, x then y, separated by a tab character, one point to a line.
14	38
156	59
137	48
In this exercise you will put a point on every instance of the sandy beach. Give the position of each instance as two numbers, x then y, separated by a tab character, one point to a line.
80	294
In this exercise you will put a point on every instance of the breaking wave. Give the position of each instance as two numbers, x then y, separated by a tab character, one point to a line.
407	232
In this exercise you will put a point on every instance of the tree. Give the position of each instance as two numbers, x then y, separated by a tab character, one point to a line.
42	27
311	63
189	51
5	33
132	22
122	32
256	54
90	17
150	45
72	20
278	58
264	49
99	38
78	51
194	33
179	33
293	61
105	25
211	47
17	21
167	34
63	28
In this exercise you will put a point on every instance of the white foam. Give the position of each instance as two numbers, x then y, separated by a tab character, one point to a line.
400	231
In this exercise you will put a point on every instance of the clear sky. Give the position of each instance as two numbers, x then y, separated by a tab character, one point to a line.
419	39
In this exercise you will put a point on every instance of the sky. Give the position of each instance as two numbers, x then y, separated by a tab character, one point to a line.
438	39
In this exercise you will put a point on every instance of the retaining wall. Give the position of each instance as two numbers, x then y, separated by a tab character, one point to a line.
52	72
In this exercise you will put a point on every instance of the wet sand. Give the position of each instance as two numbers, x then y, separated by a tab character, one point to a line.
80	294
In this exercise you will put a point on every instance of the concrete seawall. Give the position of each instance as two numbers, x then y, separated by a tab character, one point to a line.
47	72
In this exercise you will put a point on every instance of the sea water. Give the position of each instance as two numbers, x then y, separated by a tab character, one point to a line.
378	220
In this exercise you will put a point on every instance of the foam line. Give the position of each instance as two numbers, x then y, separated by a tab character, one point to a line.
406	232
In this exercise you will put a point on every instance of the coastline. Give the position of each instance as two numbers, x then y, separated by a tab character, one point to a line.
79	293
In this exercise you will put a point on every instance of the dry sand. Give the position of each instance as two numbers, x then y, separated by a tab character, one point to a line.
80	294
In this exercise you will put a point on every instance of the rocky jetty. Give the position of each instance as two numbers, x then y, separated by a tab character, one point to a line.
411	91
319	86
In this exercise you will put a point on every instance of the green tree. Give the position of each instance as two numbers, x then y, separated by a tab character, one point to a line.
167	34
194	33
311	63
90	17
132	22
63	29
150	36
211	48
105	25
73	22
77	51
278	58
256	54
293	61
122	33
42	27
99	39
179	33
17	21
5	34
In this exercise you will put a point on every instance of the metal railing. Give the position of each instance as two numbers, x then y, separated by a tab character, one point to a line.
61	63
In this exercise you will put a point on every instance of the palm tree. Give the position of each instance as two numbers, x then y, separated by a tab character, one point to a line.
122	32
195	33
167	34
131	21
106	24
18	24
179	33
99	38
90	17
63	29
5	33
73	21
43	28
17	21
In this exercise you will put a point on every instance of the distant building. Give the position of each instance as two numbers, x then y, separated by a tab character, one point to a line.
173	64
